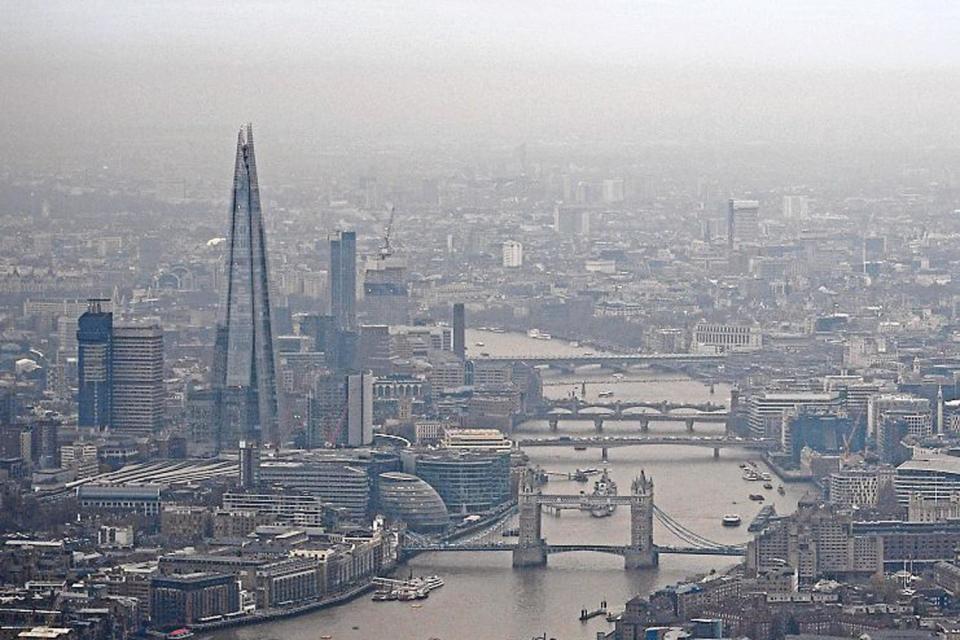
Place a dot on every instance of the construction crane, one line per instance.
(386, 250)
(848, 440)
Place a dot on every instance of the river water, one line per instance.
(486, 599)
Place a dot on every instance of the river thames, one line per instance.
(486, 599)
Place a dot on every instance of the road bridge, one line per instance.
(606, 442)
(642, 413)
(615, 360)
(531, 549)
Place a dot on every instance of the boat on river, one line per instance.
(604, 487)
(731, 520)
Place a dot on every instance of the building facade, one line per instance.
(94, 362)
(244, 373)
(137, 403)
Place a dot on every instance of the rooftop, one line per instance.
(932, 464)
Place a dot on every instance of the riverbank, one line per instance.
(341, 597)
(787, 475)
(269, 615)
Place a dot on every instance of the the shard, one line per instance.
(244, 377)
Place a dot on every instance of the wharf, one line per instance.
(762, 519)
(267, 615)
(786, 475)
(588, 615)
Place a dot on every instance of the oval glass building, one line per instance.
(410, 499)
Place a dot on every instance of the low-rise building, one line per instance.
(183, 599)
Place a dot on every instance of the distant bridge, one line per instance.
(617, 360)
(642, 413)
(606, 442)
(630, 407)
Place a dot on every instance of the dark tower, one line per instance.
(459, 330)
(244, 375)
(95, 365)
(343, 280)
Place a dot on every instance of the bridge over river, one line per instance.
(531, 549)
(615, 360)
(606, 442)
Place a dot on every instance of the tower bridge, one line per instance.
(531, 549)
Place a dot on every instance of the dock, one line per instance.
(590, 614)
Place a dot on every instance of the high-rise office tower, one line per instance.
(797, 207)
(244, 374)
(343, 280)
(137, 403)
(94, 363)
(360, 409)
(386, 297)
(249, 465)
(743, 221)
(512, 254)
(459, 330)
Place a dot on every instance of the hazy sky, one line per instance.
(738, 32)
(523, 68)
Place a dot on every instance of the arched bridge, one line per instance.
(633, 412)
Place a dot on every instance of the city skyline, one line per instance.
(634, 320)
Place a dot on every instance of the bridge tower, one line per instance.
(531, 550)
(641, 553)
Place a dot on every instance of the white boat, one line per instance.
(731, 520)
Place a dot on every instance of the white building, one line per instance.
(512, 254)
(743, 221)
(796, 207)
(720, 338)
(893, 402)
(476, 439)
(600, 266)
(359, 409)
(767, 410)
(859, 487)
(934, 477)
(613, 190)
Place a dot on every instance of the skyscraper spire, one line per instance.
(244, 369)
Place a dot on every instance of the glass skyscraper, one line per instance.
(343, 280)
(95, 366)
(244, 376)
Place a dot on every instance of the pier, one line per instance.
(590, 614)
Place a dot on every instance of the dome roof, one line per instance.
(410, 499)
